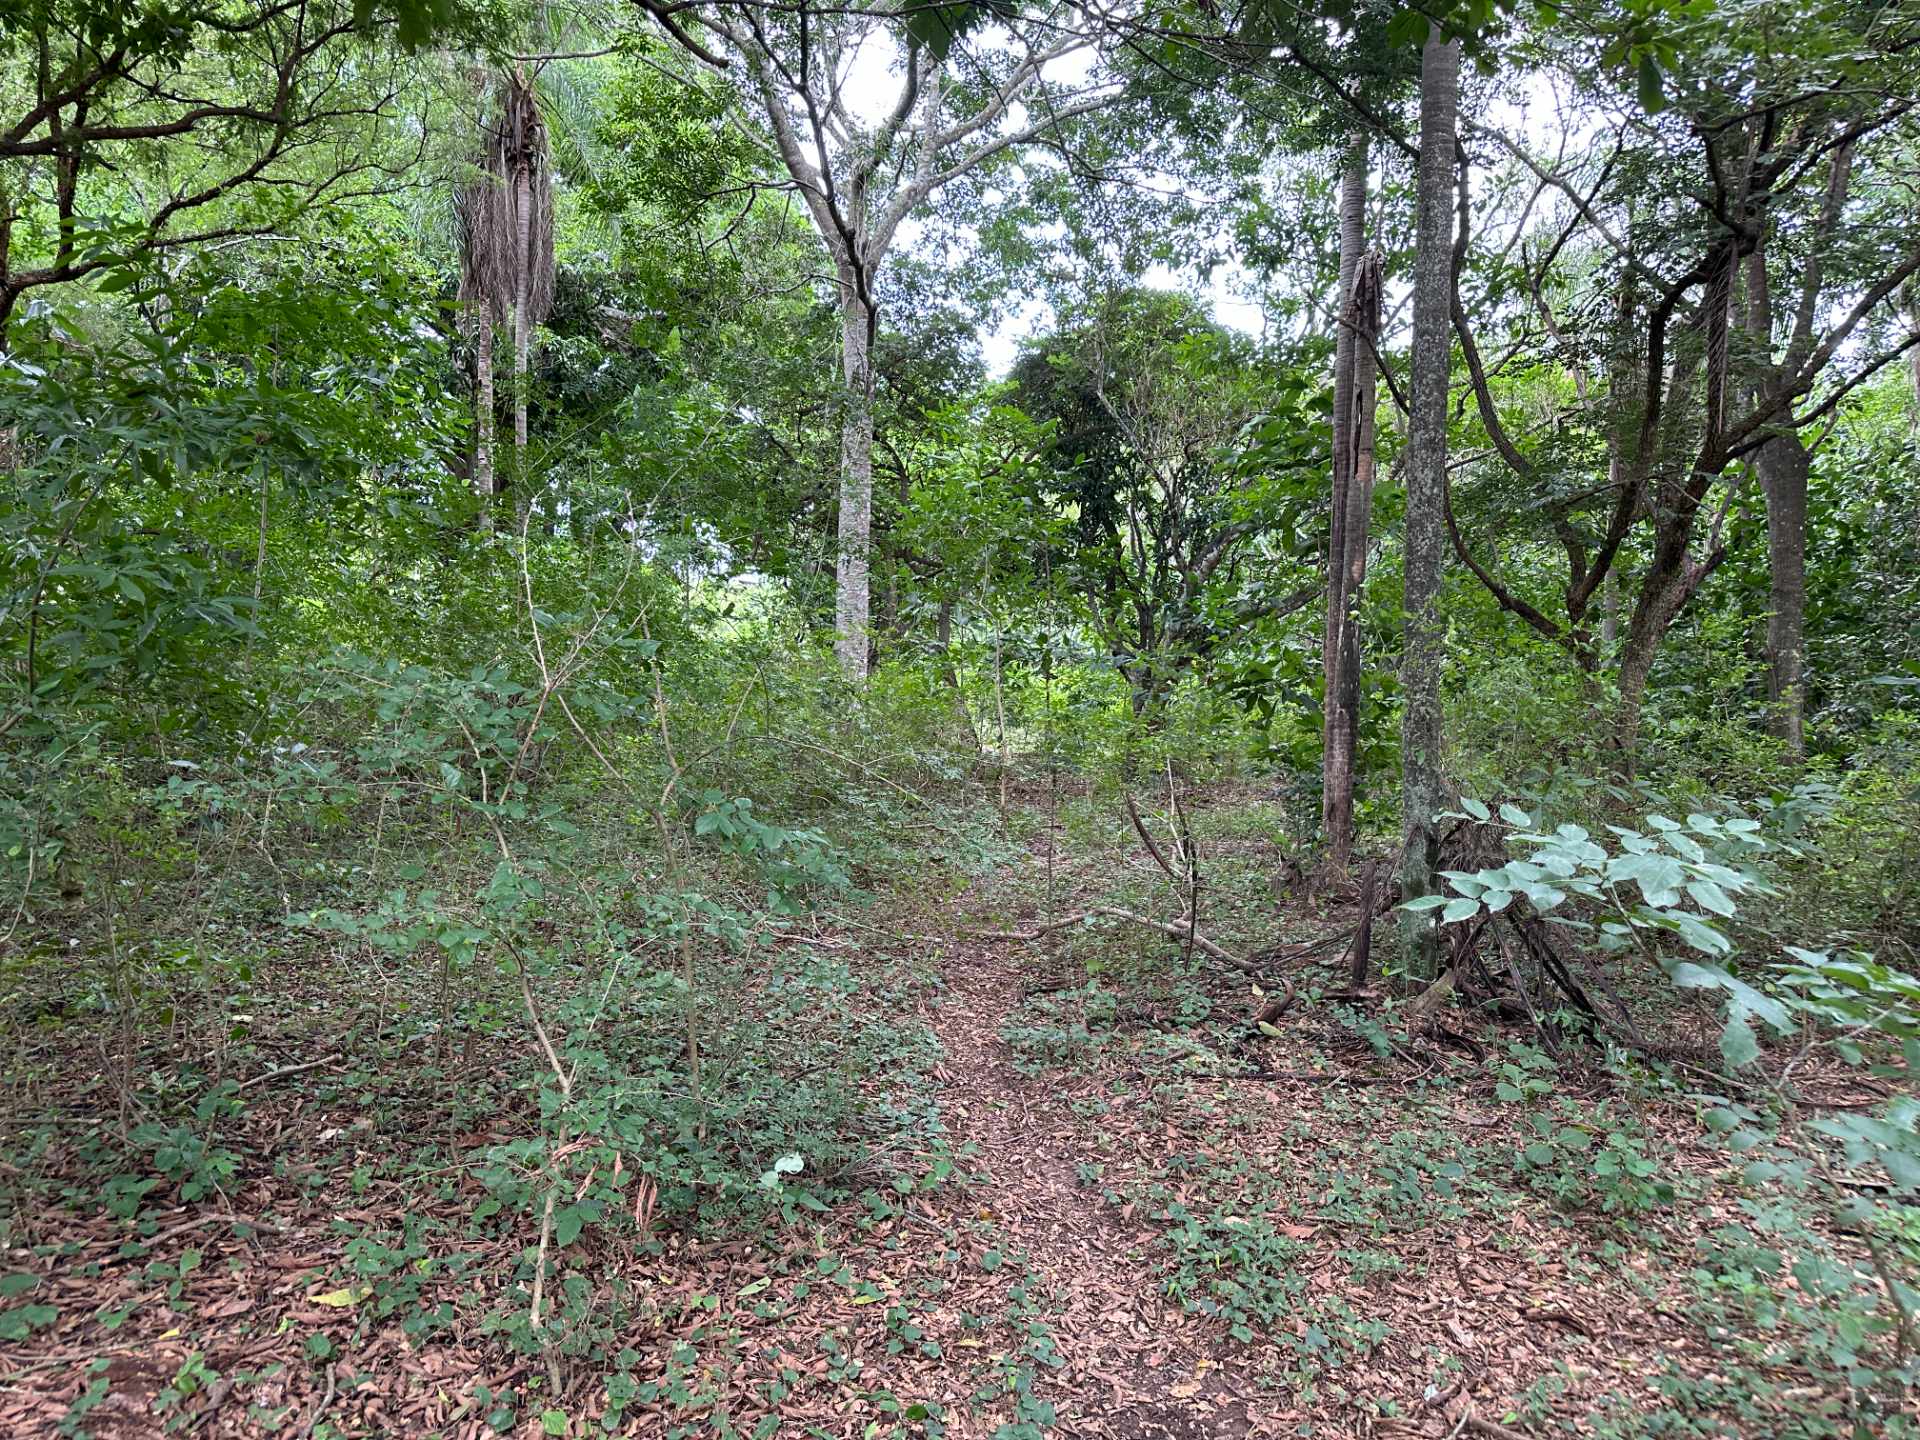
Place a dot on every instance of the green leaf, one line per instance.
(1738, 1047)
(567, 1225)
(1425, 902)
(1513, 815)
(22, 1321)
(1653, 95)
(937, 27)
(1709, 896)
(1691, 976)
(1474, 808)
(553, 1422)
(1460, 909)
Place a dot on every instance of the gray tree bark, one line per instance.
(1341, 688)
(1783, 464)
(851, 570)
(1422, 779)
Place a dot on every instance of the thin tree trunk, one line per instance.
(1913, 316)
(483, 408)
(943, 639)
(1337, 728)
(1783, 464)
(856, 490)
(1422, 783)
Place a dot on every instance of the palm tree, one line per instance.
(505, 217)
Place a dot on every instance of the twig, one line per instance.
(540, 1263)
(288, 1070)
(326, 1401)
(235, 1220)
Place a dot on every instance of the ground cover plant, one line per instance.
(889, 721)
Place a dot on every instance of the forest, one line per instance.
(1134, 719)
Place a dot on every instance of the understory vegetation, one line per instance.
(738, 720)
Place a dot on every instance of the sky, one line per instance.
(1531, 111)
(871, 89)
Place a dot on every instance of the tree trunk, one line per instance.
(1343, 699)
(523, 277)
(1913, 311)
(1340, 688)
(943, 639)
(1422, 784)
(483, 407)
(1783, 464)
(856, 488)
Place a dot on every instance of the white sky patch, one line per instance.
(872, 87)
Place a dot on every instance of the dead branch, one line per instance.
(1182, 930)
(1146, 838)
(262, 1079)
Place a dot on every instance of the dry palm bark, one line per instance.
(505, 218)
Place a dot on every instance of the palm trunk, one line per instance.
(523, 239)
(1422, 782)
(856, 489)
(1337, 728)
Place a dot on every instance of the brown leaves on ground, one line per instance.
(1039, 1286)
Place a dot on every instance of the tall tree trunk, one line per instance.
(1337, 727)
(856, 486)
(483, 480)
(1913, 318)
(1783, 464)
(1422, 782)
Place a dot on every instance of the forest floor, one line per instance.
(1139, 1216)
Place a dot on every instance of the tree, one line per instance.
(265, 110)
(1175, 448)
(954, 112)
(506, 254)
(1358, 308)
(1422, 781)
(1755, 129)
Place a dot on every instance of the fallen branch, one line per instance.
(1496, 1431)
(288, 1070)
(1182, 930)
(268, 1226)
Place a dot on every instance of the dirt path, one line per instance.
(1135, 1366)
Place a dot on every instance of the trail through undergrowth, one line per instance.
(1087, 1198)
(1133, 1364)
